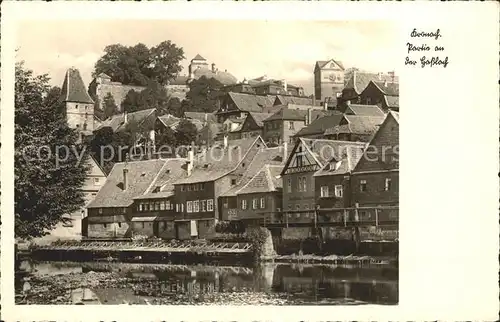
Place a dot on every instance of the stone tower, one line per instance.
(328, 79)
(79, 104)
(197, 62)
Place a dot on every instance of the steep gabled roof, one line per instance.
(322, 63)
(348, 162)
(289, 115)
(173, 170)
(392, 101)
(73, 88)
(259, 118)
(388, 87)
(359, 80)
(198, 57)
(218, 161)
(358, 109)
(324, 150)
(268, 156)
(141, 174)
(285, 100)
(320, 125)
(357, 124)
(268, 179)
(251, 102)
(117, 122)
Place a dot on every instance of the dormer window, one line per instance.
(334, 165)
(156, 189)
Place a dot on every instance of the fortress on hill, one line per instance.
(102, 84)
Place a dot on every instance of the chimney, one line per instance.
(285, 151)
(225, 141)
(125, 117)
(152, 137)
(309, 116)
(213, 68)
(125, 178)
(190, 163)
(385, 83)
(393, 75)
(314, 100)
(326, 104)
(206, 118)
(379, 76)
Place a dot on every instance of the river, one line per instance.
(268, 283)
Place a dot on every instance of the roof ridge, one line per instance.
(155, 178)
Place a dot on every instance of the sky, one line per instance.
(247, 49)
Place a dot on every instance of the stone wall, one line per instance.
(108, 230)
(296, 233)
(143, 228)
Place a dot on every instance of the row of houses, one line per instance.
(245, 180)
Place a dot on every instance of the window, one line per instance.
(338, 191)
(195, 188)
(168, 205)
(76, 106)
(368, 100)
(210, 205)
(291, 126)
(298, 208)
(304, 183)
(300, 184)
(202, 186)
(84, 126)
(124, 210)
(196, 205)
(189, 188)
(362, 185)
(289, 185)
(120, 225)
(182, 188)
(226, 205)
(177, 207)
(233, 182)
(324, 191)
(189, 206)
(162, 205)
(105, 225)
(143, 224)
(262, 203)
(203, 205)
(100, 210)
(157, 205)
(96, 181)
(255, 203)
(243, 204)
(182, 207)
(387, 184)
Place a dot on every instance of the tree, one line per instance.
(131, 102)
(110, 107)
(174, 107)
(349, 72)
(48, 178)
(203, 95)
(53, 96)
(185, 132)
(139, 65)
(165, 137)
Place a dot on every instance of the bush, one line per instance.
(257, 236)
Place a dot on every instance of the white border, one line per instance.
(449, 199)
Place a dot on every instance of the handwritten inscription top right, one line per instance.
(416, 49)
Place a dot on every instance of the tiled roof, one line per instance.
(201, 116)
(141, 174)
(392, 101)
(268, 179)
(251, 102)
(288, 114)
(73, 88)
(359, 80)
(357, 124)
(173, 170)
(388, 88)
(395, 115)
(320, 125)
(272, 156)
(169, 120)
(324, 150)
(259, 118)
(347, 162)
(198, 57)
(116, 122)
(218, 161)
(358, 109)
(282, 99)
(322, 63)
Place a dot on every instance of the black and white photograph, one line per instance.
(241, 160)
(182, 167)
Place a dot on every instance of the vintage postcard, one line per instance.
(248, 159)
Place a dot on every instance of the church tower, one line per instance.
(328, 79)
(79, 105)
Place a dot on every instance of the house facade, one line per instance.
(307, 157)
(375, 179)
(237, 105)
(213, 172)
(381, 93)
(358, 81)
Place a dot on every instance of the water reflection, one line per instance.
(308, 284)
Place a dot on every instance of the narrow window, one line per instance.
(189, 206)
(324, 191)
(387, 184)
(243, 204)
(338, 191)
(210, 205)
(262, 203)
(203, 205)
(362, 185)
(255, 203)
